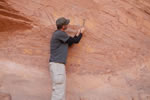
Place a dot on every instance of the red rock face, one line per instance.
(112, 61)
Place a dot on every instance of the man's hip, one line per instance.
(58, 71)
(58, 68)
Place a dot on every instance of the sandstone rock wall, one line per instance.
(112, 61)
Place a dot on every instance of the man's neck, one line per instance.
(62, 30)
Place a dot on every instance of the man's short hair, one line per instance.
(59, 26)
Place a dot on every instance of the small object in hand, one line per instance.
(83, 23)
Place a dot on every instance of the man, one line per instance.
(60, 42)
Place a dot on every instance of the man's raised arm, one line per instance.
(76, 38)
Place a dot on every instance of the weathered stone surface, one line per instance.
(5, 96)
(112, 61)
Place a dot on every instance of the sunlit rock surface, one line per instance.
(112, 61)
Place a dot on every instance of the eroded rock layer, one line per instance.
(112, 61)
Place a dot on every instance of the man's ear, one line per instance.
(63, 27)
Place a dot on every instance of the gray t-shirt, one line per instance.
(58, 47)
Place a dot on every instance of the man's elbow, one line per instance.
(77, 42)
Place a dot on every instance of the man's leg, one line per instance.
(58, 75)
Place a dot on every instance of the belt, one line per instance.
(57, 62)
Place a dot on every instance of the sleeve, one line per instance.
(75, 39)
(63, 36)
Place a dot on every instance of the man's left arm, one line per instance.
(75, 39)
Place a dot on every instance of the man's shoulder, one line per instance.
(59, 32)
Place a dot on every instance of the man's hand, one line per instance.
(81, 30)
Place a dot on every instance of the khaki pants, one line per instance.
(58, 76)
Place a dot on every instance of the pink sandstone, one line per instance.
(112, 61)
